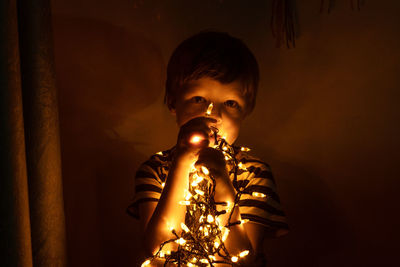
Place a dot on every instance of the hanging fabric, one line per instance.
(284, 24)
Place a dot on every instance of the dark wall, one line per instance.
(326, 120)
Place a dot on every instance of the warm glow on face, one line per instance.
(228, 105)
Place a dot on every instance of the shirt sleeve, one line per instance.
(260, 202)
(148, 185)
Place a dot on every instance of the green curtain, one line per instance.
(32, 224)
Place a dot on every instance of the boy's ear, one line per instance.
(171, 106)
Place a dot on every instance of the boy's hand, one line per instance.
(195, 135)
(214, 161)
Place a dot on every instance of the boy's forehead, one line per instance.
(209, 85)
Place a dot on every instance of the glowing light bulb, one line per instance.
(244, 253)
(196, 179)
(210, 218)
(195, 139)
(188, 195)
(199, 192)
(180, 241)
(234, 259)
(225, 233)
(184, 227)
(246, 149)
(258, 194)
(194, 259)
(147, 262)
(159, 153)
(209, 109)
(229, 206)
(205, 232)
(193, 168)
(224, 148)
(170, 227)
(216, 244)
(203, 260)
(162, 185)
(205, 170)
(162, 254)
(240, 165)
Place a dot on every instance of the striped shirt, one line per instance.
(259, 202)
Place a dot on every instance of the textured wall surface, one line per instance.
(326, 120)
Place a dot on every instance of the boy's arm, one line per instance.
(248, 236)
(157, 219)
(256, 234)
(238, 239)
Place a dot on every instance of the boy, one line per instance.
(209, 68)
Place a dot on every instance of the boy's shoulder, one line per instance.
(159, 161)
(245, 157)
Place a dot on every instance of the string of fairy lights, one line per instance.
(201, 239)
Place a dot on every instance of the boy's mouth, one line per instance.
(214, 129)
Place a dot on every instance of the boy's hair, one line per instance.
(216, 55)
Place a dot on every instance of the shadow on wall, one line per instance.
(104, 74)
(319, 233)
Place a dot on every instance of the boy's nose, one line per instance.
(216, 113)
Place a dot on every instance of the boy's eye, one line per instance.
(232, 104)
(198, 99)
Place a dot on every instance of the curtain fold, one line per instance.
(32, 231)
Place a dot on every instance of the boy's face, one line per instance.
(229, 105)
